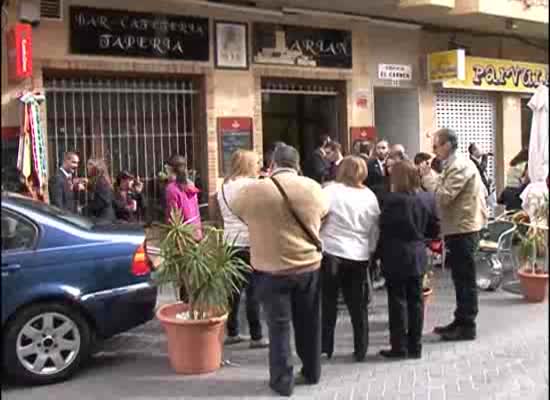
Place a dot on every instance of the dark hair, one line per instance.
(69, 154)
(323, 140)
(286, 156)
(436, 165)
(445, 135)
(421, 157)
(123, 175)
(13, 180)
(522, 156)
(277, 144)
(179, 165)
(365, 148)
(471, 148)
(334, 146)
(405, 178)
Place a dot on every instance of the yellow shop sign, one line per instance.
(446, 65)
(500, 75)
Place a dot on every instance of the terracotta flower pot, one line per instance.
(194, 347)
(533, 286)
(426, 295)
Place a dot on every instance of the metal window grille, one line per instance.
(133, 124)
(472, 115)
(285, 86)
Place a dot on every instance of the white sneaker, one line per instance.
(229, 340)
(259, 344)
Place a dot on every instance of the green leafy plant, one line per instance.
(427, 279)
(533, 233)
(207, 270)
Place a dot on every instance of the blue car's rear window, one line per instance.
(52, 211)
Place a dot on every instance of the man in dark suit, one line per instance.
(63, 184)
(481, 160)
(317, 166)
(377, 174)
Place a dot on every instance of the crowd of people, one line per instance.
(108, 201)
(311, 236)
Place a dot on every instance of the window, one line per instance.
(17, 233)
(56, 213)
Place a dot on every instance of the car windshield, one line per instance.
(67, 216)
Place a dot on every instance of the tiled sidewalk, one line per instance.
(508, 361)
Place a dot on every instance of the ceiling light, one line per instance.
(511, 25)
(232, 7)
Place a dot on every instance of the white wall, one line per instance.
(396, 117)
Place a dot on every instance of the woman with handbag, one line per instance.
(182, 194)
(245, 168)
(349, 236)
(408, 218)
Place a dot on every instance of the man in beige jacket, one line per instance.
(463, 210)
(286, 260)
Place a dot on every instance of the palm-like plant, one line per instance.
(208, 270)
(533, 232)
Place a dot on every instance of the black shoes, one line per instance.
(392, 354)
(455, 331)
(446, 328)
(459, 333)
(400, 355)
(282, 390)
(286, 388)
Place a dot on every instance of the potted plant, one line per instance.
(435, 247)
(427, 290)
(209, 273)
(533, 248)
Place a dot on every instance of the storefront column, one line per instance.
(509, 141)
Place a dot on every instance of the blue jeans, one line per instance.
(252, 304)
(296, 299)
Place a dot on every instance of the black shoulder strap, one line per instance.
(310, 234)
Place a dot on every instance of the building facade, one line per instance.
(137, 82)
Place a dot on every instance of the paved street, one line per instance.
(508, 361)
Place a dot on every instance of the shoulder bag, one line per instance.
(310, 234)
(229, 208)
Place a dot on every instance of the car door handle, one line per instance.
(10, 267)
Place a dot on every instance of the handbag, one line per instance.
(312, 237)
(229, 208)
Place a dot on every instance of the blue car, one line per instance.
(66, 283)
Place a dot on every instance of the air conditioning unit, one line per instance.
(51, 10)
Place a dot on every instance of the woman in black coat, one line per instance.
(408, 218)
(100, 207)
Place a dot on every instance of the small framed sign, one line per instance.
(231, 46)
(233, 133)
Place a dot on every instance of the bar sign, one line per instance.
(20, 52)
(395, 72)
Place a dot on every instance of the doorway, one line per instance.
(298, 112)
(396, 117)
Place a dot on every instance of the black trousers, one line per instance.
(351, 277)
(461, 259)
(252, 304)
(296, 299)
(406, 312)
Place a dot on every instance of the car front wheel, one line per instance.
(45, 343)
